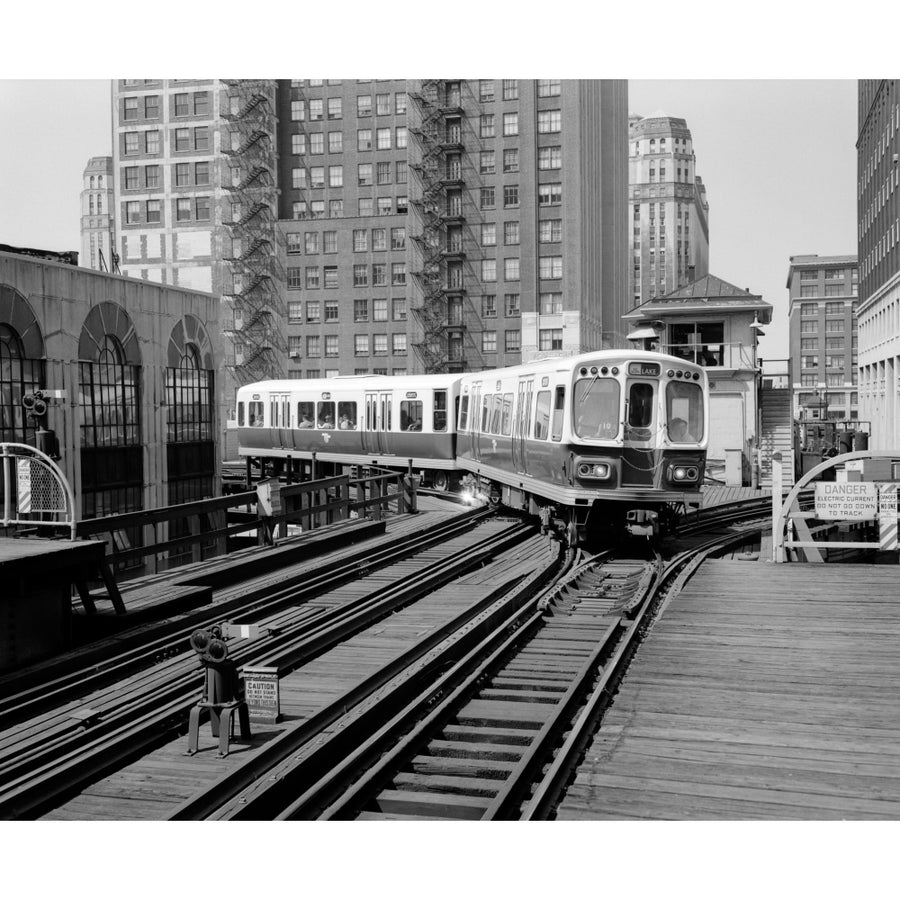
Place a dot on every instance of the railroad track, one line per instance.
(55, 753)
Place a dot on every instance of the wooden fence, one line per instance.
(189, 532)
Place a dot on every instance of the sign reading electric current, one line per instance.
(851, 501)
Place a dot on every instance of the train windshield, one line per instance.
(684, 412)
(596, 410)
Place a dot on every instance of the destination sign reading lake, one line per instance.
(854, 501)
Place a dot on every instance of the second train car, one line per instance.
(592, 443)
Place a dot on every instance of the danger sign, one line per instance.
(852, 501)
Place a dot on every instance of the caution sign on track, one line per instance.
(887, 516)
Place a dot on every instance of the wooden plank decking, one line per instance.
(763, 692)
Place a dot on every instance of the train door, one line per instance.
(377, 423)
(641, 425)
(475, 421)
(280, 419)
(521, 424)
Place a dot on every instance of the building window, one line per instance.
(183, 210)
(295, 307)
(334, 108)
(510, 233)
(510, 196)
(487, 198)
(335, 176)
(294, 279)
(332, 345)
(489, 306)
(550, 231)
(550, 339)
(489, 342)
(316, 110)
(361, 345)
(551, 303)
(201, 138)
(331, 277)
(510, 89)
(511, 303)
(360, 240)
(486, 126)
(131, 182)
(380, 310)
(360, 310)
(313, 310)
(548, 87)
(379, 239)
(380, 344)
(383, 173)
(366, 206)
(400, 103)
(364, 139)
(550, 157)
(312, 346)
(298, 144)
(400, 137)
(201, 209)
(154, 212)
(201, 173)
(485, 91)
(488, 234)
(487, 162)
(398, 274)
(549, 121)
(510, 124)
(379, 275)
(513, 341)
(398, 309)
(385, 206)
(312, 278)
(398, 238)
(549, 194)
(809, 290)
(131, 143)
(511, 160)
(489, 270)
(360, 275)
(364, 105)
(130, 108)
(511, 269)
(382, 138)
(398, 344)
(551, 267)
(132, 212)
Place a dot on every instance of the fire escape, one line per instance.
(248, 142)
(438, 230)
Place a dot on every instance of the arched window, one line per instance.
(109, 375)
(99, 181)
(92, 182)
(90, 204)
(21, 368)
(99, 203)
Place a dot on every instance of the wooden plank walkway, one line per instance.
(766, 693)
(717, 495)
(151, 787)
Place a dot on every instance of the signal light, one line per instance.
(35, 404)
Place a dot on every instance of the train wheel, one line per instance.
(440, 481)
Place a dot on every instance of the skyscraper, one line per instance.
(97, 208)
(668, 206)
(878, 214)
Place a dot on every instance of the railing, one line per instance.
(728, 356)
(34, 491)
(263, 514)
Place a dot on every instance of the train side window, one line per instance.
(240, 413)
(506, 423)
(486, 402)
(559, 407)
(640, 405)
(495, 413)
(684, 401)
(346, 415)
(410, 415)
(255, 413)
(306, 414)
(325, 417)
(464, 413)
(542, 416)
(440, 411)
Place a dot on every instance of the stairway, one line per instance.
(776, 435)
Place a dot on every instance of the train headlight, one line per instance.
(685, 473)
(594, 470)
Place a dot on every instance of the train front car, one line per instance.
(599, 443)
(639, 432)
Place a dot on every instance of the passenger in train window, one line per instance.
(305, 421)
(678, 431)
(415, 426)
(327, 422)
(345, 424)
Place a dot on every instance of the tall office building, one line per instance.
(822, 315)
(97, 219)
(669, 213)
(456, 225)
(381, 226)
(878, 215)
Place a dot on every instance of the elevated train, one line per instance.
(596, 442)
